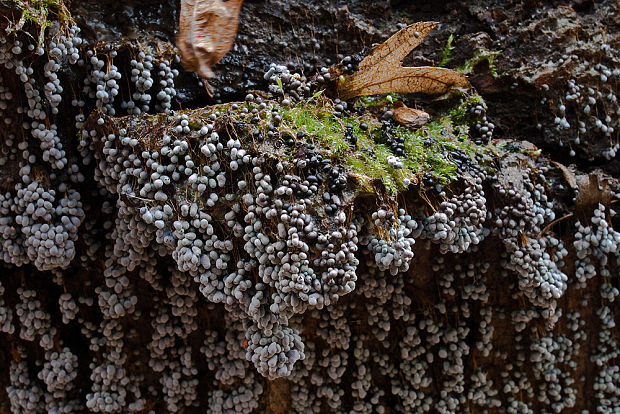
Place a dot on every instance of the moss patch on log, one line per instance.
(41, 13)
(430, 151)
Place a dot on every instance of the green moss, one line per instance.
(479, 57)
(428, 150)
(41, 13)
(459, 112)
(446, 53)
(377, 100)
(316, 119)
(195, 126)
(516, 147)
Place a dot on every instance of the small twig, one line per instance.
(139, 198)
(548, 226)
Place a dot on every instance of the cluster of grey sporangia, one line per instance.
(391, 239)
(536, 260)
(39, 220)
(586, 110)
(274, 230)
(240, 266)
(484, 127)
(293, 86)
(458, 222)
(42, 209)
(6, 314)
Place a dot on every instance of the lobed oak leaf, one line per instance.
(382, 71)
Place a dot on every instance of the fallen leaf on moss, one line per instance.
(207, 30)
(410, 117)
(382, 70)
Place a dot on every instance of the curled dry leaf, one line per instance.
(382, 70)
(569, 176)
(594, 189)
(207, 30)
(410, 117)
(591, 189)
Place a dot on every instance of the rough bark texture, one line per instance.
(469, 264)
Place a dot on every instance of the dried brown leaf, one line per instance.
(382, 70)
(593, 190)
(398, 46)
(410, 117)
(423, 79)
(569, 176)
(207, 30)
